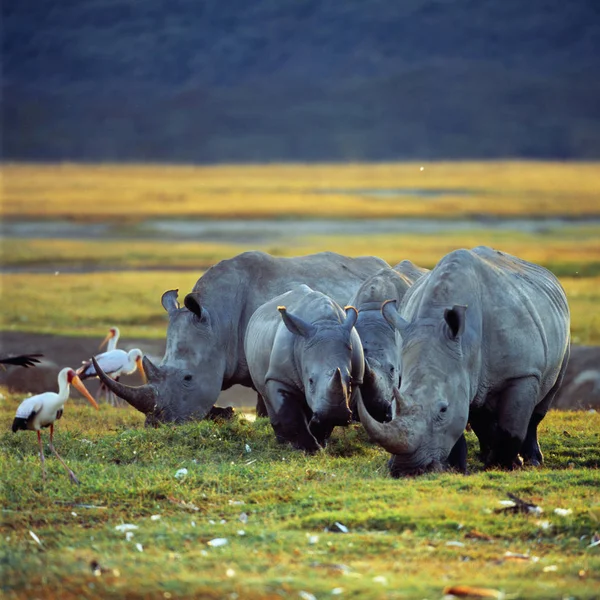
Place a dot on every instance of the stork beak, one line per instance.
(109, 336)
(79, 385)
(140, 366)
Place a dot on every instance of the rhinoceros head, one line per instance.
(188, 381)
(431, 408)
(382, 368)
(330, 356)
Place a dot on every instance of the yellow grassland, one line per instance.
(138, 191)
(85, 304)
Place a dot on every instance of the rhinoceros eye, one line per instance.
(187, 378)
(443, 407)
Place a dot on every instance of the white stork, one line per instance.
(37, 412)
(115, 363)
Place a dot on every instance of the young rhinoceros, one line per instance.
(305, 359)
(380, 345)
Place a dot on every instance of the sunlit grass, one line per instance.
(407, 538)
(86, 304)
(566, 251)
(135, 192)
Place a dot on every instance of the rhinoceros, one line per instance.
(305, 359)
(485, 339)
(378, 338)
(205, 339)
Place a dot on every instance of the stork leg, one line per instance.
(63, 463)
(42, 457)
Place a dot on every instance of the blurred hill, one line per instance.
(301, 80)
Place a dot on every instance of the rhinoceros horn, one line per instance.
(143, 398)
(337, 386)
(393, 435)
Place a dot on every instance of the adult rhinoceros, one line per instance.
(485, 338)
(377, 337)
(205, 340)
(305, 361)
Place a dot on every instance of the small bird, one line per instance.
(41, 411)
(24, 360)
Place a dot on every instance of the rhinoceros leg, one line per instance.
(530, 450)
(261, 409)
(484, 424)
(288, 418)
(515, 407)
(457, 459)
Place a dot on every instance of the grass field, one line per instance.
(407, 538)
(135, 192)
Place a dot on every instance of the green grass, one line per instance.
(402, 533)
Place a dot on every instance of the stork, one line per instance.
(37, 412)
(114, 363)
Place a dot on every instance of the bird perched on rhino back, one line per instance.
(42, 410)
(484, 338)
(205, 338)
(305, 359)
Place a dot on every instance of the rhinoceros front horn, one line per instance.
(143, 398)
(388, 435)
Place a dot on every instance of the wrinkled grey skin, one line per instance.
(485, 338)
(382, 357)
(205, 339)
(305, 359)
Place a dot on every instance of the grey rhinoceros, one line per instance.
(378, 338)
(485, 339)
(305, 359)
(205, 339)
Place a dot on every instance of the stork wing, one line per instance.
(30, 406)
(111, 362)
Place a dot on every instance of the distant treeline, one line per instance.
(300, 80)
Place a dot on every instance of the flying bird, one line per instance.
(37, 412)
(24, 360)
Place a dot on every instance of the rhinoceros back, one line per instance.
(517, 312)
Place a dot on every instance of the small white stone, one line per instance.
(139, 547)
(126, 527)
(218, 542)
(180, 473)
(155, 517)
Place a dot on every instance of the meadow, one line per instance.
(277, 508)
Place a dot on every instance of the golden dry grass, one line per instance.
(138, 191)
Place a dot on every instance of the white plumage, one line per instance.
(42, 410)
(114, 363)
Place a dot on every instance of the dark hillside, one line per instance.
(300, 79)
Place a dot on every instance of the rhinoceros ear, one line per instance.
(192, 304)
(169, 300)
(296, 325)
(351, 317)
(455, 319)
(391, 315)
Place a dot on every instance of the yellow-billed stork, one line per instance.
(114, 363)
(37, 412)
